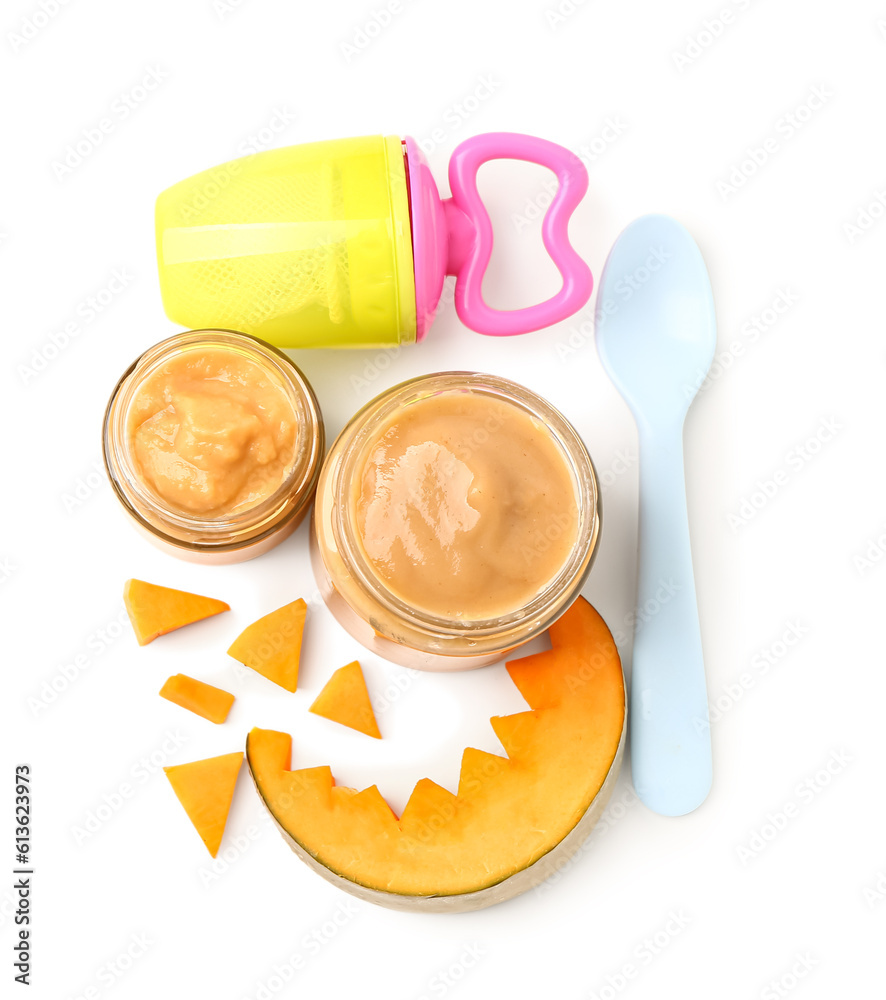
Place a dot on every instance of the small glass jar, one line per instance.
(364, 603)
(220, 538)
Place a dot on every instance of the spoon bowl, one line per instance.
(655, 323)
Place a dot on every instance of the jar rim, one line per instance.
(246, 527)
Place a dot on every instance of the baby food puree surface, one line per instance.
(465, 506)
(212, 433)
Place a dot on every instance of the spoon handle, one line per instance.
(670, 730)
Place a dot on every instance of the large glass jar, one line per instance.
(389, 487)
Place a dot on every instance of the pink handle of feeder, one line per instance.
(470, 233)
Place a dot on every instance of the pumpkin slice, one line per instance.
(345, 699)
(514, 820)
(155, 610)
(203, 699)
(272, 645)
(205, 788)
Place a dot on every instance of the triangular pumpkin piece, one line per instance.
(538, 678)
(345, 699)
(477, 768)
(308, 784)
(272, 645)
(205, 788)
(155, 610)
(518, 734)
(430, 808)
(370, 807)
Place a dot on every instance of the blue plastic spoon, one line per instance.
(656, 333)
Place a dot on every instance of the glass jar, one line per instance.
(220, 537)
(389, 623)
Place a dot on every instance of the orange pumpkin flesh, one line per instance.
(498, 835)
(205, 788)
(344, 699)
(203, 699)
(272, 645)
(155, 610)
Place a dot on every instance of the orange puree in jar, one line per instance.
(212, 433)
(465, 506)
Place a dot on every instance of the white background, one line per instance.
(679, 127)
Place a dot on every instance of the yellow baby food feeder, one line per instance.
(346, 243)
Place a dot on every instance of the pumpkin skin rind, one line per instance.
(577, 717)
